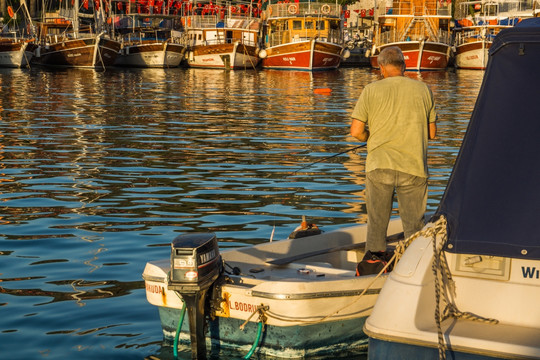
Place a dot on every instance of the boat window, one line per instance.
(309, 25)
(320, 25)
(297, 25)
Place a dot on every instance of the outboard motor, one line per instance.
(195, 265)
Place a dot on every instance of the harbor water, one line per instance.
(100, 171)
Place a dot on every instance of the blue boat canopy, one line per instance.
(492, 201)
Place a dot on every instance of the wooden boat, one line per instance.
(17, 44)
(63, 43)
(16, 52)
(303, 290)
(420, 28)
(152, 45)
(223, 37)
(472, 293)
(474, 34)
(303, 36)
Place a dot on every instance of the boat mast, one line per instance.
(75, 20)
(32, 30)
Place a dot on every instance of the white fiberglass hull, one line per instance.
(507, 290)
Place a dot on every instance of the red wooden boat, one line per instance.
(421, 28)
(303, 36)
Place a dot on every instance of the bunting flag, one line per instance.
(363, 13)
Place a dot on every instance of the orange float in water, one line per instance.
(323, 91)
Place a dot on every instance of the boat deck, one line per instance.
(305, 271)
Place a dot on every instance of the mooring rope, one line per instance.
(444, 285)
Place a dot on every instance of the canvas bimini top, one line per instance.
(492, 201)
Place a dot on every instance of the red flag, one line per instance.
(85, 4)
(363, 13)
(347, 14)
(371, 12)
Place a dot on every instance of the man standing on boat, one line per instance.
(396, 116)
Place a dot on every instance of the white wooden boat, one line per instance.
(225, 37)
(157, 44)
(484, 304)
(304, 291)
(16, 41)
(303, 36)
(16, 52)
(474, 34)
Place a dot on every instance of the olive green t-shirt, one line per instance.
(397, 111)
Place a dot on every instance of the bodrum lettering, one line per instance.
(242, 306)
(530, 272)
(156, 289)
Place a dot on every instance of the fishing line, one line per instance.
(311, 164)
(329, 157)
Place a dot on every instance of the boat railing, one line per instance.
(429, 8)
(302, 9)
(279, 37)
(213, 21)
(391, 36)
(477, 34)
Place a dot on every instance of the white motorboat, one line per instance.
(289, 299)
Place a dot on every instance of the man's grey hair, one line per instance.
(391, 56)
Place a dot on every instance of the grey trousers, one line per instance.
(411, 193)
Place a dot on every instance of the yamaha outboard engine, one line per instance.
(195, 265)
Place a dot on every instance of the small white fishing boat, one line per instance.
(471, 290)
(288, 299)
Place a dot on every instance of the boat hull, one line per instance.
(230, 56)
(303, 55)
(279, 341)
(486, 287)
(91, 52)
(473, 55)
(16, 54)
(380, 349)
(156, 55)
(419, 55)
